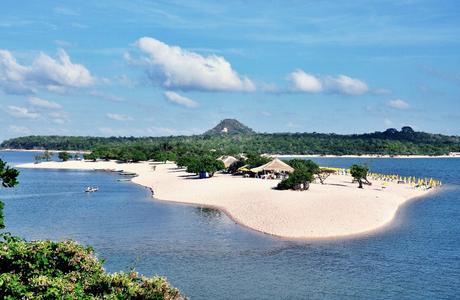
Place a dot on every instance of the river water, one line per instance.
(208, 256)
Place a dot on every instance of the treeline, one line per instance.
(389, 142)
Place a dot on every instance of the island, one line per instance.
(331, 210)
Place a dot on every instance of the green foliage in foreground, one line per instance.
(359, 173)
(8, 179)
(66, 270)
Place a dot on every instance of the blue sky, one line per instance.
(151, 68)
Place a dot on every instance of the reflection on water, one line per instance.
(208, 256)
(209, 214)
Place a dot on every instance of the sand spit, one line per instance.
(336, 209)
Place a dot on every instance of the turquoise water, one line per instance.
(207, 256)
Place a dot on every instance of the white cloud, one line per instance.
(174, 67)
(61, 71)
(341, 84)
(180, 100)
(304, 82)
(42, 103)
(21, 112)
(45, 72)
(398, 104)
(118, 117)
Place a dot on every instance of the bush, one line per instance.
(207, 163)
(64, 156)
(299, 176)
(66, 270)
(306, 165)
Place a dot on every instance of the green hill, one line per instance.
(229, 126)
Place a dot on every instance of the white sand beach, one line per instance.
(335, 209)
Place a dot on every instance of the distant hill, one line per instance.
(229, 126)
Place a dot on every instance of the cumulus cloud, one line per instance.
(341, 84)
(177, 68)
(21, 112)
(42, 103)
(398, 104)
(180, 100)
(304, 82)
(118, 117)
(53, 74)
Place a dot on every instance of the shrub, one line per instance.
(66, 270)
(207, 163)
(64, 156)
(299, 176)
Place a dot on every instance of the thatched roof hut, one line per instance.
(228, 160)
(275, 165)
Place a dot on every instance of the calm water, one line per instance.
(207, 256)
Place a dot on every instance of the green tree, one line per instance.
(64, 156)
(207, 163)
(8, 179)
(47, 155)
(90, 156)
(295, 179)
(302, 164)
(255, 160)
(359, 173)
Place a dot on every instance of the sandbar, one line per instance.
(336, 209)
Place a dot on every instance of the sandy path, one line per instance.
(336, 209)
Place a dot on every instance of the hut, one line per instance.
(274, 166)
(228, 160)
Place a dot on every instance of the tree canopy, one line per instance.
(359, 173)
(64, 156)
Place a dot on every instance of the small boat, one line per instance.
(91, 189)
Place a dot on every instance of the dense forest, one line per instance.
(389, 142)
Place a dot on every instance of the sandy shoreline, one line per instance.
(336, 209)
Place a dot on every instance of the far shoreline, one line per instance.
(281, 156)
(43, 150)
